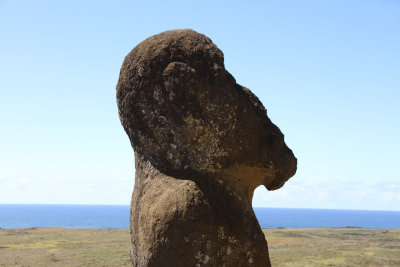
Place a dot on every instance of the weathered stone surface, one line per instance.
(202, 145)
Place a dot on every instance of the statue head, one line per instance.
(183, 112)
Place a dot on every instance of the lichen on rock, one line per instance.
(202, 144)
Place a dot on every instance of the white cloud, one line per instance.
(340, 195)
(25, 180)
(77, 190)
(389, 196)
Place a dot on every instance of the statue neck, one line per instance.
(233, 185)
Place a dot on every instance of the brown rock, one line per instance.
(202, 145)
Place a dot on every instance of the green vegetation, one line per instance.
(333, 247)
(288, 247)
(64, 247)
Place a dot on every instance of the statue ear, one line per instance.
(178, 80)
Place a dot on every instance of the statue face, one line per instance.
(262, 153)
(184, 112)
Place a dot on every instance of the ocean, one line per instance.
(114, 216)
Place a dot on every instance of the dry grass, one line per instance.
(64, 247)
(334, 247)
(288, 247)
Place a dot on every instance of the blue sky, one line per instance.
(328, 73)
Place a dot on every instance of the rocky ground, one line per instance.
(288, 247)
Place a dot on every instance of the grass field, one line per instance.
(288, 247)
(334, 247)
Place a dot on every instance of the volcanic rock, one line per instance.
(202, 144)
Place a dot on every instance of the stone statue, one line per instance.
(202, 144)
